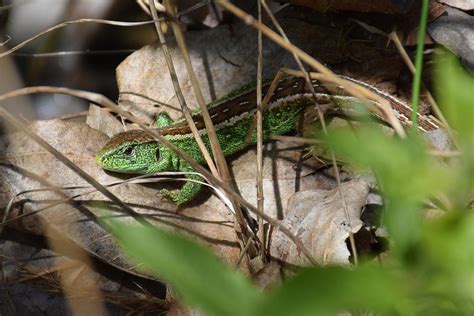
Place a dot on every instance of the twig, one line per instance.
(57, 26)
(259, 117)
(179, 94)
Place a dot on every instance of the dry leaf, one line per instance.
(102, 120)
(460, 4)
(319, 220)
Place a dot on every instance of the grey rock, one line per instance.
(460, 4)
(439, 139)
(455, 30)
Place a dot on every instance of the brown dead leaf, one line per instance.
(317, 217)
(102, 120)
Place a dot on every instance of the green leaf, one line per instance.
(407, 175)
(455, 88)
(197, 275)
(395, 161)
(326, 291)
(449, 255)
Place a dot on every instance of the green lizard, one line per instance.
(137, 152)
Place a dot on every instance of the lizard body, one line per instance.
(137, 152)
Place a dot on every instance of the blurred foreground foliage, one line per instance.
(430, 270)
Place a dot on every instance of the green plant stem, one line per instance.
(415, 98)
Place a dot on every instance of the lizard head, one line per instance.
(130, 152)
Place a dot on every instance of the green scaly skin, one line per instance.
(147, 157)
(136, 152)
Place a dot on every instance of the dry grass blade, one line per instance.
(444, 154)
(8, 38)
(259, 119)
(215, 146)
(72, 116)
(294, 139)
(194, 7)
(13, 5)
(162, 104)
(264, 102)
(145, 5)
(79, 21)
(83, 297)
(374, 107)
(13, 198)
(145, 178)
(179, 94)
(394, 37)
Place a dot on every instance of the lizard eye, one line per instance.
(157, 155)
(128, 151)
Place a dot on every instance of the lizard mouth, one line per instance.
(102, 163)
(98, 159)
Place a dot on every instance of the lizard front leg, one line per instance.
(188, 191)
(163, 119)
(191, 188)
